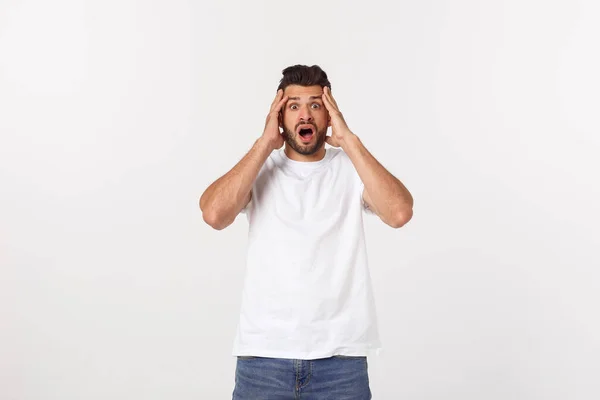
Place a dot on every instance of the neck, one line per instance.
(294, 155)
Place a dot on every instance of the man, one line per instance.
(308, 319)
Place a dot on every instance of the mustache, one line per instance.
(305, 123)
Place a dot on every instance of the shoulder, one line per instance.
(341, 159)
(273, 161)
(346, 164)
(337, 155)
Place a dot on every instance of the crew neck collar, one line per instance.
(308, 164)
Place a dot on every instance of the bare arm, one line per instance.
(383, 192)
(223, 200)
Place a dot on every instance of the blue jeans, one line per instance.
(333, 378)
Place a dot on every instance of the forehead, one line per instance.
(303, 91)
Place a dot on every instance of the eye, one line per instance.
(316, 105)
(293, 107)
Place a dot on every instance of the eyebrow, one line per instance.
(310, 98)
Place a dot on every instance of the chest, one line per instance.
(313, 197)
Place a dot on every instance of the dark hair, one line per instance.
(303, 75)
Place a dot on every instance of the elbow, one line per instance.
(401, 218)
(214, 216)
(209, 215)
(214, 221)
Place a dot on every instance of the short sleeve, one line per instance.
(357, 183)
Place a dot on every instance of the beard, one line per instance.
(307, 149)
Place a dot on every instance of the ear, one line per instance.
(328, 121)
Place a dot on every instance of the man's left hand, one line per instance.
(339, 129)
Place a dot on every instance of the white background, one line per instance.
(116, 115)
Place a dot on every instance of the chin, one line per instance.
(303, 149)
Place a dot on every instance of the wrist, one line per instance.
(264, 144)
(348, 140)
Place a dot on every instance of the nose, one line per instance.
(305, 114)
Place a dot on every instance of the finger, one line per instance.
(277, 98)
(331, 99)
(328, 104)
(326, 101)
(280, 104)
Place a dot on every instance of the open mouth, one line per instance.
(306, 133)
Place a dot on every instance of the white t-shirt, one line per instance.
(307, 290)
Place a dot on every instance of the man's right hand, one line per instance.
(271, 135)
